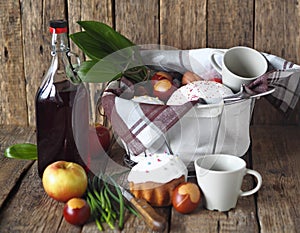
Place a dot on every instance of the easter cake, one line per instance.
(155, 177)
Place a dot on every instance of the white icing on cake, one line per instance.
(147, 100)
(158, 168)
(208, 90)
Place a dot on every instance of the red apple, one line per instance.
(163, 89)
(98, 143)
(77, 211)
(64, 180)
(103, 136)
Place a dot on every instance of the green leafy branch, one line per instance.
(111, 54)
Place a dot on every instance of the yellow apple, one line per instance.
(64, 180)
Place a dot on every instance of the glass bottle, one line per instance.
(55, 100)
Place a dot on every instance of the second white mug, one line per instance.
(220, 178)
(240, 65)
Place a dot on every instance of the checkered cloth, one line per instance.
(139, 125)
(287, 86)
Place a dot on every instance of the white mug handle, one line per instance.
(214, 62)
(259, 182)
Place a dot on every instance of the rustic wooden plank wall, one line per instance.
(267, 25)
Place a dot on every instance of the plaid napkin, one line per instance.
(287, 88)
(139, 125)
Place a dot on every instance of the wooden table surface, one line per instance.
(275, 153)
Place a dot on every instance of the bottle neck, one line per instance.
(59, 43)
(61, 58)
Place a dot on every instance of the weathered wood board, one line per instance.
(268, 26)
(25, 207)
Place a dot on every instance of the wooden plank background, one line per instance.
(267, 25)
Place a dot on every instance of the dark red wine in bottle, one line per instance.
(55, 101)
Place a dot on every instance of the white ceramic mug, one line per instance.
(220, 178)
(240, 65)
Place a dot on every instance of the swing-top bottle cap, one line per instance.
(58, 26)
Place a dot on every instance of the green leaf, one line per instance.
(111, 53)
(21, 151)
(102, 71)
(85, 67)
(106, 35)
(89, 46)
